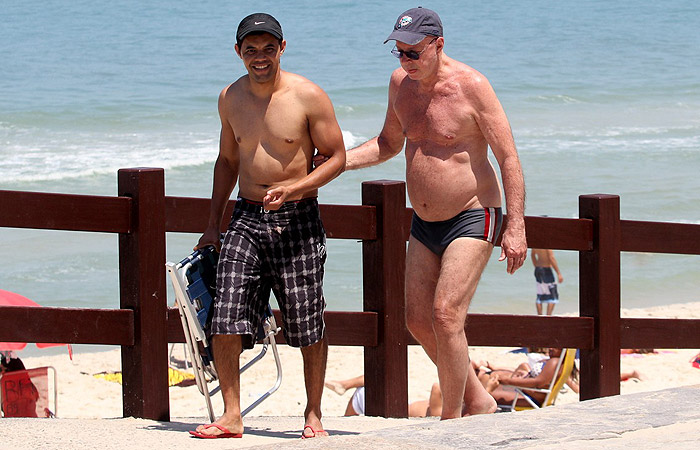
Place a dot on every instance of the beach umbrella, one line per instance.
(8, 298)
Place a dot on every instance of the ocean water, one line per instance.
(602, 98)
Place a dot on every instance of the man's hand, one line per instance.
(275, 198)
(210, 237)
(319, 159)
(514, 247)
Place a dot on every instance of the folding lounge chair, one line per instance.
(194, 283)
(566, 364)
(28, 393)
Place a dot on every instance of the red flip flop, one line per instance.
(224, 433)
(303, 436)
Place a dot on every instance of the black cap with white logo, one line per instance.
(414, 25)
(258, 23)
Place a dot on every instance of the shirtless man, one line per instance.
(272, 123)
(544, 261)
(447, 115)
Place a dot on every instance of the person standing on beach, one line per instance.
(272, 122)
(544, 261)
(447, 115)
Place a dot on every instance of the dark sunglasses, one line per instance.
(410, 54)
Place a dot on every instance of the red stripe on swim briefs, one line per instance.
(487, 223)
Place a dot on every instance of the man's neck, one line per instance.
(266, 89)
(428, 83)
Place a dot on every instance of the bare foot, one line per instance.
(233, 425)
(311, 432)
(492, 384)
(335, 387)
(480, 403)
(312, 425)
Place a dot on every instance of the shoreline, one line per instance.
(82, 395)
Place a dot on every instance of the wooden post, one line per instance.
(383, 270)
(599, 296)
(142, 289)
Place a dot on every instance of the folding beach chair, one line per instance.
(28, 393)
(562, 373)
(194, 283)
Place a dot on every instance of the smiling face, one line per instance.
(426, 64)
(261, 55)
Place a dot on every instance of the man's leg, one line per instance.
(550, 308)
(435, 401)
(422, 271)
(423, 268)
(341, 386)
(462, 264)
(539, 308)
(227, 350)
(315, 358)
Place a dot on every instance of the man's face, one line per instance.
(261, 55)
(426, 50)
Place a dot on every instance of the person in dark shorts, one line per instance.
(283, 251)
(272, 124)
(447, 120)
(545, 265)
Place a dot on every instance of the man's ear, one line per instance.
(283, 46)
(440, 43)
(238, 50)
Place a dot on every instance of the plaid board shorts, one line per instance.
(282, 251)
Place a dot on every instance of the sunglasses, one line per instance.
(410, 54)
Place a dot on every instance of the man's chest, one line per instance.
(280, 122)
(444, 115)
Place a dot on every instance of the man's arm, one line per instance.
(381, 148)
(494, 125)
(542, 380)
(225, 177)
(327, 138)
(390, 141)
(555, 266)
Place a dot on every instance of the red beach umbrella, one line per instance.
(8, 298)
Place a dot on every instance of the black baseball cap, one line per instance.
(258, 23)
(414, 25)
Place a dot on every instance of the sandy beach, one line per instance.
(82, 395)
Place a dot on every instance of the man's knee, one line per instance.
(446, 322)
(419, 325)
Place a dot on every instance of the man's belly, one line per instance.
(439, 190)
(255, 188)
(263, 173)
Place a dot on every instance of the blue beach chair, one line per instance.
(194, 283)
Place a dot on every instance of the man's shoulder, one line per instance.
(468, 77)
(236, 87)
(302, 87)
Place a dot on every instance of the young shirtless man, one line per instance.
(272, 123)
(544, 261)
(447, 115)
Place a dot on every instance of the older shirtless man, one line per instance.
(272, 123)
(448, 115)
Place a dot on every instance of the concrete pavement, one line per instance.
(653, 420)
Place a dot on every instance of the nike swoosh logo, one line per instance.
(258, 23)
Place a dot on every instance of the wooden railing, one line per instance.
(144, 324)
